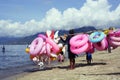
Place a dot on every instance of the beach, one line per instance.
(105, 66)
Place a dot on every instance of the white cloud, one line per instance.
(93, 13)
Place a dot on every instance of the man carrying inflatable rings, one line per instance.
(71, 55)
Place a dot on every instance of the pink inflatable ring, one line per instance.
(36, 46)
(55, 47)
(103, 45)
(79, 43)
(114, 38)
(78, 40)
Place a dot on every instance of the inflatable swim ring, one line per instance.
(79, 49)
(114, 38)
(101, 45)
(90, 47)
(78, 40)
(115, 43)
(42, 36)
(54, 46)
(79, 43)
(48, 49)
(43, 50)
(36, 46)
(96, 37)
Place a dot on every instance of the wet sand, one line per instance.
(105, 66)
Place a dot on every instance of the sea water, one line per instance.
(14, 56)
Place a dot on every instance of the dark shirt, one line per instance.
(70, 54)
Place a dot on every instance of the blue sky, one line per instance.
(15, 15)
(24, 10)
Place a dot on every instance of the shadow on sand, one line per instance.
(37, 69)
(117, 73)
(62, 67)
(81, 65)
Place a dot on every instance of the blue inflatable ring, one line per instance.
(96, 37)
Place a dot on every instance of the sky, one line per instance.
(20, 18)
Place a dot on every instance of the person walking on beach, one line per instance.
(108, 37)
(88, 57)
(71, 55)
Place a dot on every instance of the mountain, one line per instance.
(29, 39)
